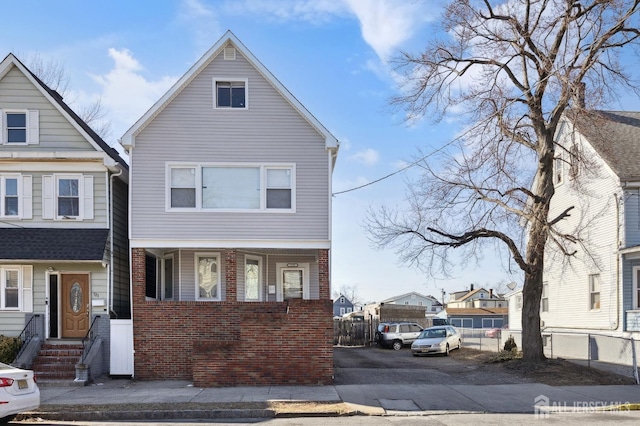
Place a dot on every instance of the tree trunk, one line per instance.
(532, 350)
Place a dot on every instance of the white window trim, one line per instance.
(198, 180)
(544, 296)
(636, 284)
(197, 257)
(32, 124)
(217, 80)
(281, 267)
(50, 197)
(558, 169)
(163, 277)
(25, 288)
(259, 259)
(591, 292)
(24, 196)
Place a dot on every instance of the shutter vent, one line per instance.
(229, 53)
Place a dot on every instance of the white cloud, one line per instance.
(201, 20)
(368, 157)
(386, 24)
(126, 93)
(312, 11)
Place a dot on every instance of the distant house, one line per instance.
(597, 175)
(342, 306)
(430, 303)
(476, 298)
(478, 317)
(231, 229)
(477, 308)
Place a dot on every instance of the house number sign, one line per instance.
(75, 297)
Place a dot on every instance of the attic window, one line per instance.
(229, 53)
(230, 93)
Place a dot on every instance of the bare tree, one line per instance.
(511, 70)
(350, 292)
(53, 74)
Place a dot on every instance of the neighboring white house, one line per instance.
(597, 181)
(431, 304)
(476, 298)
(514, 299)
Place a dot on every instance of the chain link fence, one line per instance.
(609, 353)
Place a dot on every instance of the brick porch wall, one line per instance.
(232, 343)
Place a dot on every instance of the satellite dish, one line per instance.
(512, 285)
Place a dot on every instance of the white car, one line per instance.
(437, 340)
(18, 391)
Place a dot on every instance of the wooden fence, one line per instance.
(349, 332)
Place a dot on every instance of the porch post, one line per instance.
(138, 274)
(323, 274)
(231, 275)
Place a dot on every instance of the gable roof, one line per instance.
(615, 135)
(128, 139)
(402, 296)
(56, 100)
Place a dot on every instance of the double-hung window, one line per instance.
(230, 93)
(231, 187)
(594, 291)
(15, 288)
(544, 302)
(19, 127)
(15, 196)
(67, 197)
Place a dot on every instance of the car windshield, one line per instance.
(429, 334)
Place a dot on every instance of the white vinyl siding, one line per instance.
(270, 132)
(16, 284)
(595, 204)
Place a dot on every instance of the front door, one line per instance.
(75, 305)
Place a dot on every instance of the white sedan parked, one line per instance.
(437, 340)
(18, 391)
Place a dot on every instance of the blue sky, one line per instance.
(333, 55)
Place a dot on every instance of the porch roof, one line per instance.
(52, 244)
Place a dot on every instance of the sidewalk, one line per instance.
(141, 400)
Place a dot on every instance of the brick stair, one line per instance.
(57, 361)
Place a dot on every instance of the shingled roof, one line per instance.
(53, 244)
(615, 135)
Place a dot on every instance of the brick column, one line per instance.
(231, 275)
(323, 272)
(139, 274)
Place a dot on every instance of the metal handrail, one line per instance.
(88, 340)
(28, 332)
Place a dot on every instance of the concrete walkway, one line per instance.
(139, 400)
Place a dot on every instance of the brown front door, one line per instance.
(75, 305)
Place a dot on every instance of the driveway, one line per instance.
(374, 365)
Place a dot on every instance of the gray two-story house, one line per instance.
(230, 210)
(64, 267)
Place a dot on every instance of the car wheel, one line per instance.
(397, 345)
(446, 350)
